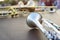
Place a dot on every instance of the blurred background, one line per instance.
(39, 2)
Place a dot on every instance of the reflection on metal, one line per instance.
(34, 21)
(55, 25)
(51, 26)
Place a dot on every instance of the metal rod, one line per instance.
(51, 26)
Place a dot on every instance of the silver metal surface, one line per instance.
(34, 21)
(32, 17)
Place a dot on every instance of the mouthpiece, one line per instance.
(33, 17)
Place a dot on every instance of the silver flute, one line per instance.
(34, 20)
